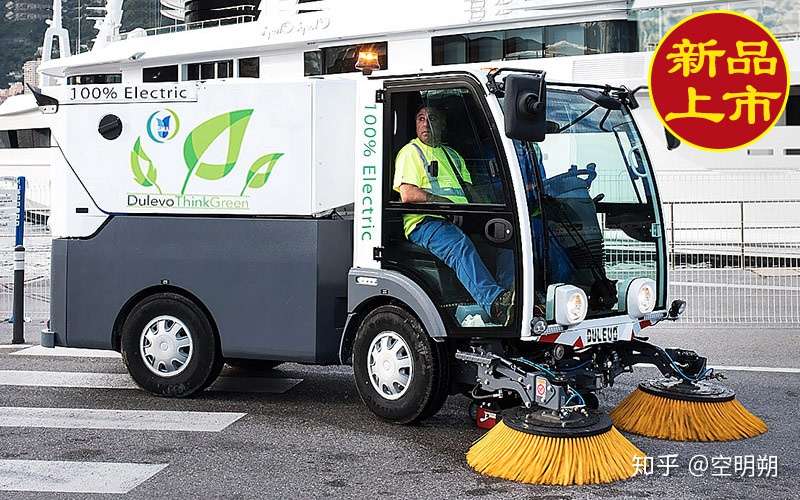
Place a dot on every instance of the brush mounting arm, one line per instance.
(678, 363)
(495, 373)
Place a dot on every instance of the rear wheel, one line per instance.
(401, 374)
(169, 346)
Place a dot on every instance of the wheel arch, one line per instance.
(386, 288)
(116, 333)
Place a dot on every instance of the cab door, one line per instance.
(449, 216)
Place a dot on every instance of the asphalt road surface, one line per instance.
(301, 432)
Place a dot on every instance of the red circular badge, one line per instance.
(719, 80)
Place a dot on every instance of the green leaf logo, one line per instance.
(138, 156)
(259, 173)
(201, 138)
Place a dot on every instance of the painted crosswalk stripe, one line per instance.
(87, 380)
(144, 420)
(69, 352)
(11, 347)
(67, 379)
(74, 477)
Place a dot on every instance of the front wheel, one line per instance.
(169, 346)
(401, 374)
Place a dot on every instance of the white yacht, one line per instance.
(571, 39)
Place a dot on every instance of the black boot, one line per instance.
(503, 308)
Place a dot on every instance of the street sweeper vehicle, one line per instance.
(483, 232)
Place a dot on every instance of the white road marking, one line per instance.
(13, 346)
(764, 369)
(67, 379)
(140, 420)
(756, 369)
(262, 385)
(69, 352)
(86, 380)
(74, 477)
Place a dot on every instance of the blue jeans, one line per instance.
(449, 243)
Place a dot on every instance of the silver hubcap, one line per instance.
(166, 346)
(389, 365)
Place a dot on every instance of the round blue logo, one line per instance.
(163, 125)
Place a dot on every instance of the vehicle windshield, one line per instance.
(590, 189)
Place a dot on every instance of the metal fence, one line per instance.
(37, 244)
(734, 262)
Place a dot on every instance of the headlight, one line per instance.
(571, 305)
(641, 297)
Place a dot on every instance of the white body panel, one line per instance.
(368, 191)
(308, 122)
(66, 196)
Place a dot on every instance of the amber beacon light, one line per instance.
(368, 62)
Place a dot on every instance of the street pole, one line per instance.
(19, 268)
(19, 295)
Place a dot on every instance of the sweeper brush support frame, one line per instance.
(497, 374)
(687, 405)
(546, 423)
(697, 392)
(679, 363)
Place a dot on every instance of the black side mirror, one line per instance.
(672, 141)
(525, 106)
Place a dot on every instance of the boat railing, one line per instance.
(180, 27)
(788, 37)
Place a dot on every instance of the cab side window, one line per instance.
(456, 122)
(448, 223)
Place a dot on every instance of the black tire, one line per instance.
(429, 385)
(253, 365)
(205, 362)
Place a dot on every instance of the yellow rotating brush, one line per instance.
(682, 411)
(540, 448)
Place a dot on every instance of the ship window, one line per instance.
(791, 117)
(526, 43)
(160, 74)
(98, 79)
(25, 138)
(565, 40)
(601, 37)
(450, 49)
(341, 59)
(249, 67)
(224, 69)
(312, 63)
(208, 70)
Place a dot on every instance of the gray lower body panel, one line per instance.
(275, 288)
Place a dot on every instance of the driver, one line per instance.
(427, 171)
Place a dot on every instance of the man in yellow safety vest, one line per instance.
(427, 171)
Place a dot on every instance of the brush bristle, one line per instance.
(676, 420)
(509, 454)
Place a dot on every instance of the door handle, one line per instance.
(498, 230)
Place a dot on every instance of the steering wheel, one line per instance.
(590, 172)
